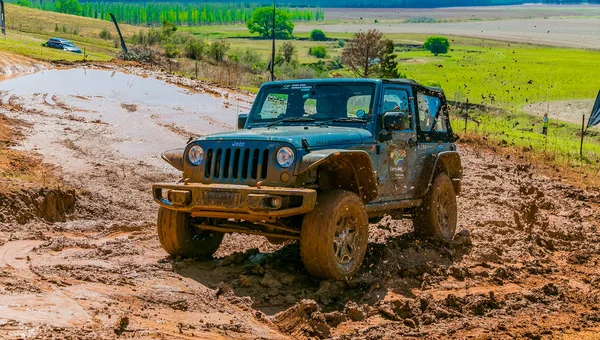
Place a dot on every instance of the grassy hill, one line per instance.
(28, 28)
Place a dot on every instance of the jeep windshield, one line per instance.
(313, 103)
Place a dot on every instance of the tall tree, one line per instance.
(261, 22)
(388, 61)
(68, 6)
(437, 45)
(362, 53)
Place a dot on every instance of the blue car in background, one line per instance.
(62, 44)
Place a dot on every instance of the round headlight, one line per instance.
(196, 155)
(285, 157)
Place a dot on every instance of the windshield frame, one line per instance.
(264, 92)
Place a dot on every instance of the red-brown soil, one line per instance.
(524, 264)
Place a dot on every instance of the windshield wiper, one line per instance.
(344, 119)
(292, 119)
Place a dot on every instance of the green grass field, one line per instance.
(523, 132)
(488, 72)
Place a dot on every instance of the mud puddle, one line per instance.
(145, 112)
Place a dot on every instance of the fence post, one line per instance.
(582, 133)
(466, 114)
(196, 69)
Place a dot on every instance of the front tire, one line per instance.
(179, 237)
(334, 236)
(436, 217)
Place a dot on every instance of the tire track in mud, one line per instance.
(44, 305)
(12, 65)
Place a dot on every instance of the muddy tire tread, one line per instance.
(315, 247)
(177, 240)
(424, 217)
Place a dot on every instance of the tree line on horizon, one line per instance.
(178, 13)
(377, 4)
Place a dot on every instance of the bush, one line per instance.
(295, 71)
(218, 50)
(152, 38)
(171, 51)
(288, 50)
(342, 43)
(437, 45)
(317, 35)
(194, 49)
(318, 51)
(168, 28)
(105, 34)
(335, 64)
(417, 20)
(250, 57)
(142, 54)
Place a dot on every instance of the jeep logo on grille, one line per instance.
(238, 144)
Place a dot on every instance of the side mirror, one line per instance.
(242, 118)
(394, 121)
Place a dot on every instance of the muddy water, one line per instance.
(145, 115)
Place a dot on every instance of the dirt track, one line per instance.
(526, 266)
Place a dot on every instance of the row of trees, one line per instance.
(154, 13)
(407, 3)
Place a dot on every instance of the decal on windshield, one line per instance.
(301, 87)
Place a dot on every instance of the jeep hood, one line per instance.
(316, 136)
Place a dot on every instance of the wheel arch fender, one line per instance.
(447, 162)
(365, 185)
(174, 157)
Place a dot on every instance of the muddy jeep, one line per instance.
(315, 161)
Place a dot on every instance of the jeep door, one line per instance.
(434, 133)
(395, 155)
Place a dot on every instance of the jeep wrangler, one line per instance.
(315, 161)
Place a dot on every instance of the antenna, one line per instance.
(2, 23)
(114, 20)
(273, 47)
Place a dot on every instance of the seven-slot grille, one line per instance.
(236, 163)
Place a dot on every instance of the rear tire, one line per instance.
(436, 217)
(334, 236)
(179, 237)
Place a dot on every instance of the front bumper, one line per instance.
(234, 201)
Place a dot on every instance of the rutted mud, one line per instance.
(524, 264)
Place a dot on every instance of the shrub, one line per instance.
(250, 57)
(194, 49)
(168, 28)
(218, 50)
(317, 35)
(342, 43)
(105, 34)
(152, 38)
(142, 54)
(318, 51)
(171, 51)
(288, 50)
(416, 20)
